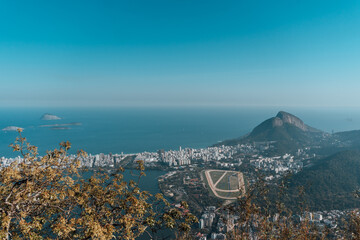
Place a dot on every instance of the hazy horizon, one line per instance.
(180, 53)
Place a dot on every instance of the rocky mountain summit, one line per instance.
(287, 118)
(287, 131)
(284, 117)
(282, 120)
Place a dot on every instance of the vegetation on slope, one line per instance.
(331, 182)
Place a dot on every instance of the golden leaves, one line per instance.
(15, 147)
(66, 145)
(44, 196)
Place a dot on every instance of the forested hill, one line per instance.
(330, 182)
(286, 130)
(348, 138)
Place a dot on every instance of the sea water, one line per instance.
(132, 130)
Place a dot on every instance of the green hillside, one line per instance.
(331, 182)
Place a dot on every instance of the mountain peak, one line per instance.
(284, 114)
(287, 131)
(285, 117)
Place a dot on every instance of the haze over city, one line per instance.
(180, 53)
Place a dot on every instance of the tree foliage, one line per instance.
(46, 198)
(261, 218)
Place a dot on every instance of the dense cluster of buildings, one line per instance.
(171, 158)
(5, 162)
(229, 156)
(206, 222)
(329, 219)
(223, 156)
(97, 160)
(278, 164)
(188, 155)
(207, 218)
(219, 222)
(102, 160)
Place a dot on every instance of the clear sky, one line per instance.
(180, 53)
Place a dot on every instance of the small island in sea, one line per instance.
(50, 117)
(11, 128)
(62, 126)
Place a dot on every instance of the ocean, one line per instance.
(131, 130)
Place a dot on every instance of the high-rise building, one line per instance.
(201, 223)
(161, 153)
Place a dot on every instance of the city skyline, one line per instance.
(179, 53)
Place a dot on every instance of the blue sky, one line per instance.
(180, 53)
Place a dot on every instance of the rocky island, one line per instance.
(11, 128)
(50, 117)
